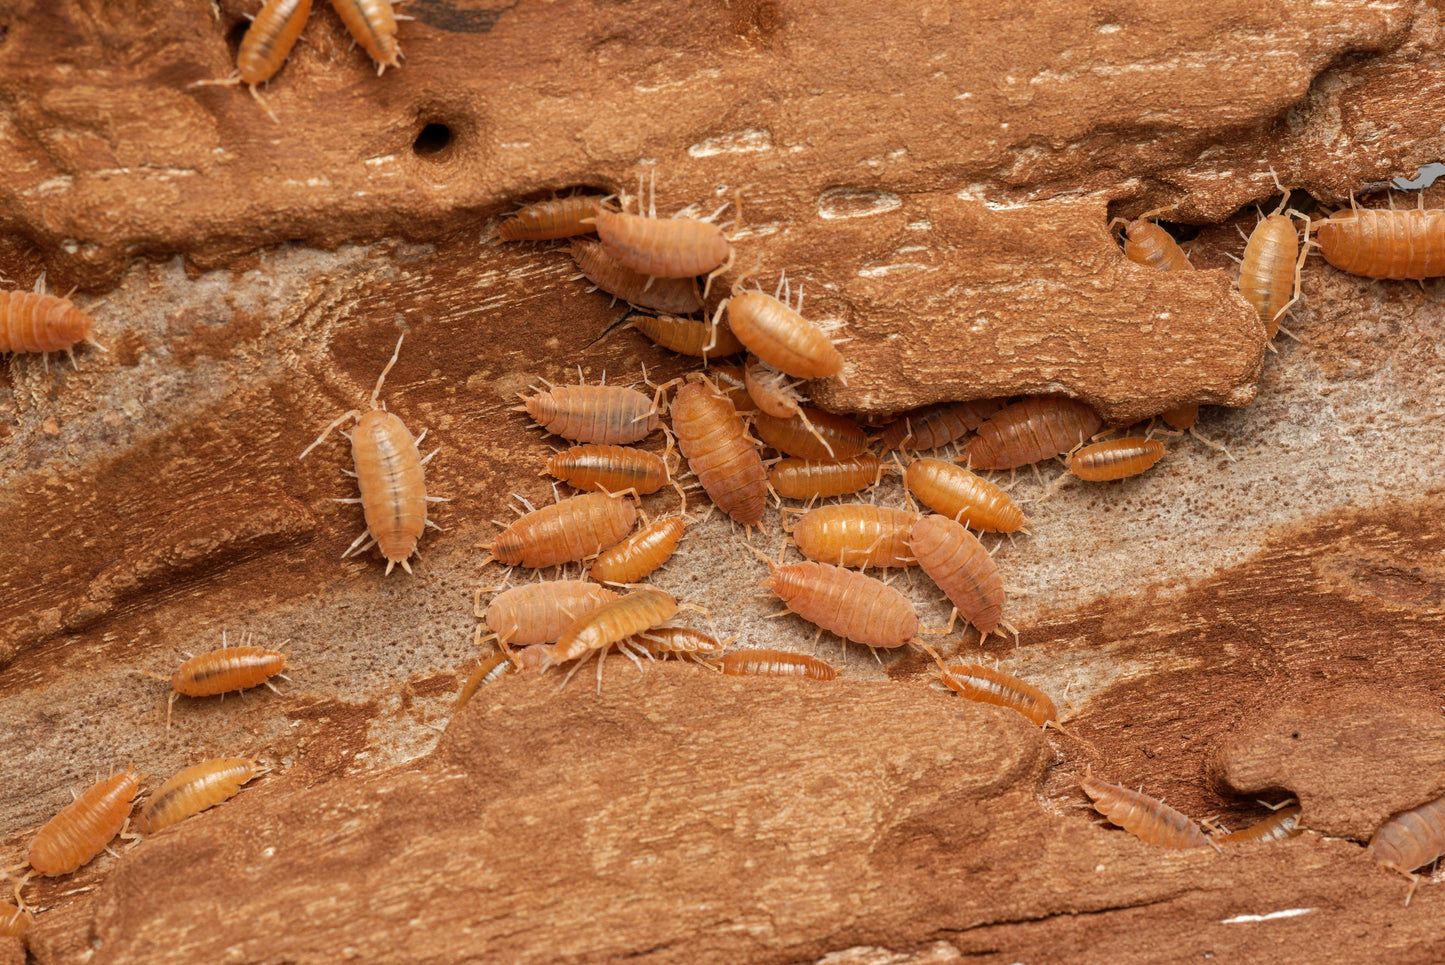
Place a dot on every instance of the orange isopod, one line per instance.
(1385, 244)
(664, 247)
(193, 790)
(682, 642)
(938, 425)
(1038, 428)
(989, 686)
(549, 220)
(780, 335)
(1148, 819)
(1269, 270)
(771, 389)
(812, 434)
(1115, 459)
(687, 336)
(34, 321)
(1148, 244)
(715, 443)
(614, 622)
(1277, 827)
(641, 553)
(610, 469)
(852, 605)
(1181, 417)
(222, 671)
(496, 666)
(602, 414)
(14, 922)
(536, 657)
(775, 663)
(856, 535)
(86, 825)
(1411, 838)
(539, 612)
(675, 296)
(373, 24)
(815, 479)
(391, 475)
(572, 529)
(270, 38)
(955, 560)
(731, 380)
(955, 492)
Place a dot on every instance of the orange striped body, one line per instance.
(682, 641)
(549, 220)
(222, 671)
(614, 622)
(85, 826)
(687, 336)
(662, 247)
(32, 322)
(781, 337)
(1412, 838)
(373, 24)
(1115, 459)
(819, 479)
(715, 443)
(840, 433)
(1278, 826)
(955, 492)
(611, 469)
(1266, 273)
(675, 296)
(495, 667)
(938, 425)
(1182, 417)
(14, 922)
(1150, 820)
(541, 612)
(393, 490)
(601, 414)
(1030, 431)
(989, 686)
(854, 606)
(573, 529)
(1385, 244)
(856, 535)
(641, 553)
(775, 663)
(1148, 244)
(955, 560)
(269, 39)
(194, 789)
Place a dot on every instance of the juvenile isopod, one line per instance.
(1148, 244)
(664, 247)
(812, 434)
(1385, 244)
(1148, 819)
(85, 826)
(1115, 459)
(1411, 839)
(731, 381)
(641, 553)
(1277, 827)
(937, 425)
(856, 535)
(775, 663)
(687, 336)
(989, 686)
(960, 495)
(539, 612)
(373, 25)
(493, 668)
(222, 671)
(572, 529)
(955, 560)
(771, 389)
(14, 922)
(780, 335)
(391, 475)
(614, 622)
(676, 641)
(715, 443)
(815, 479)
(601, 414)
(193, 790)
(34, 321)
(549, 220)
(1033, 430)
(610, 469)
(853, 606)
(1269, 272)
(266, 45)
(674, 296)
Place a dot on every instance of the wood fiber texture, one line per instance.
(939, 178)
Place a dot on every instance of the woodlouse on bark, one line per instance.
(1148, 244)
(779, 334)
(687, 336)
(572, 529)
(1030, 431)
(493, 668)
(550, 220)
(391, 474)
(665, 247)
(856, 535)
(674, 296)
(683, 642)
(373, 25)
(953, 491)
(1148, 819)
(83, 829)
(1410, 840)
(14, 922)
(539, 612)
(265, 47)
(614, 622)
(856, 607)
(193, 790)
(990, 686)
(819, 479)
(222, 671)
(775, 663)
(610, 469)
(731, 381)
(812, 434)
(955, 560)
(771, 389)
(1394, 244)
(34, 321)
(1278, 826)
(1269, 272)
(599, 414)
(937, 425)
(715, 443)
(1115, 459)
(641, 553)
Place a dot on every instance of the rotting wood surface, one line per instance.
(152, 496)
